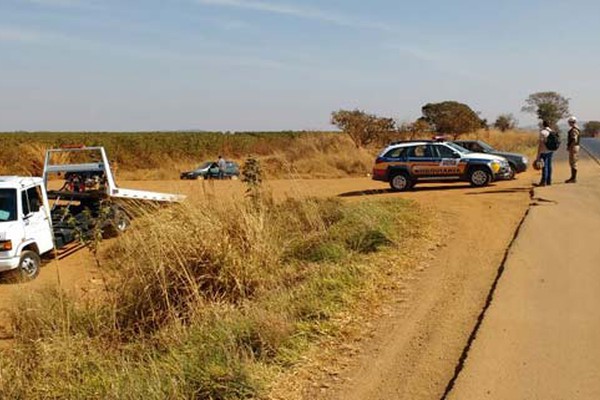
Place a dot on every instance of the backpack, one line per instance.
(553, 141)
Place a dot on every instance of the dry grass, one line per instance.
(208, 302)
(214, 301)
(155, 155)
(34, 155)
(311, 156)
(162, 156)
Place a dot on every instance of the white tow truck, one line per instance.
(37, 220)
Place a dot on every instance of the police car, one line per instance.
(403, 164)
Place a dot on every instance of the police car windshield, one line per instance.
(486, 146)
(458, 148)
(8, 205)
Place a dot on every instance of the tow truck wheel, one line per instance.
(29, 266)
(118, 224)
(480, 177)
(121, 221)
(400, 182)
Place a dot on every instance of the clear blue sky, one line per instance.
(270, 64)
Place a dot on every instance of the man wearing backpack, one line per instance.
(573, 147)
(548, 142)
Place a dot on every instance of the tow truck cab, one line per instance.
(25, 225)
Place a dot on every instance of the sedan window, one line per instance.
(476, 147)
(459, 148)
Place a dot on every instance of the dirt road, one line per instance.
(540, 336)
(414, 349)
(75, 273)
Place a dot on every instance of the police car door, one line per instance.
(449, 161)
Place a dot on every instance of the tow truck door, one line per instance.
(36, 221)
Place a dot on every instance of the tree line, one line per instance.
(450, 118)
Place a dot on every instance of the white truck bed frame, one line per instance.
(111, 188)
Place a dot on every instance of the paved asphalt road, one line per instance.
(539, 338)
(592, 145)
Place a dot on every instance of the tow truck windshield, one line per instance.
(8, 205)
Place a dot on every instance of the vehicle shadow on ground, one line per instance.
(524, 189)
(8, 278)
(373, 192)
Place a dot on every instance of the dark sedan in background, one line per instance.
(210, 170)
(518, 162)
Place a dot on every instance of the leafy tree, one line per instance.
(484, 123)
(548, 106)
(591, 128)
(362, 128)
(420, 128)
(505, 122)
(414, 130)
(451, 117)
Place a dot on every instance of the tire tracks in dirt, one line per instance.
(412, 351)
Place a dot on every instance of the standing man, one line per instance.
(573, 147)
(221, 164)
(545, 155)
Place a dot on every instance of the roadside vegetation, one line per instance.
(218, 300)
(591, 129)
(211, 300)
(162, 156)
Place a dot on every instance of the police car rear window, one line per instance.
(396, 153)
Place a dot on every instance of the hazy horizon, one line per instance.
(268, 65)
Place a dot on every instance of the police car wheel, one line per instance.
(480, 177)
(400, 182)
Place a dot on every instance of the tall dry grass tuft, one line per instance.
(322, 156)
(190, 254)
